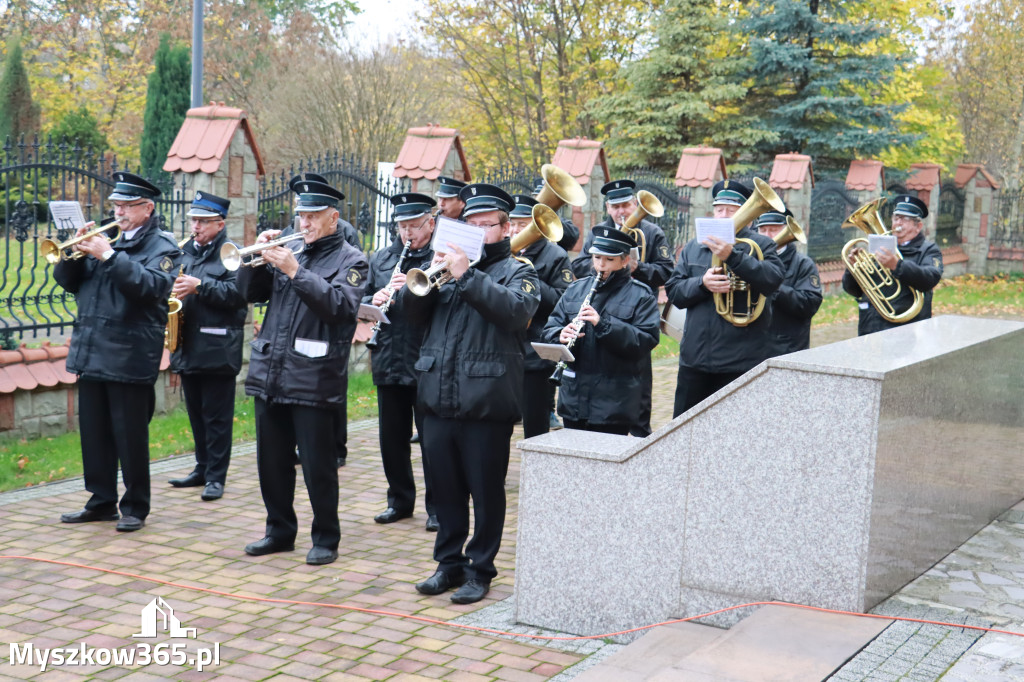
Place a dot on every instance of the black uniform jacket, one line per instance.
(350, 233)
(555, 276)
(398, 343)
(794, 304)
(213, 318)
(471, 362)
(710, 343)
(570, 235)
(921, 269)
(657, 265)
(122, 307)
(604, 384)
(301, 354)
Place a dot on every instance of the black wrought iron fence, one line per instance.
(675, 201)
(951, 215)
(1007, 220)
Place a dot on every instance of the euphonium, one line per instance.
(646, 205)
(251, 256)
(761, 200)
(54, 252)
(560, 188)
(876, 281)
(544, 223)
(577, 324)
(372, 343)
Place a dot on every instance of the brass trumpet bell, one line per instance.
(543, 225)
(420, 282)
(233, 257)
(560, 188)
(55, 252)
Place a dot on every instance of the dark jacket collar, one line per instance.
(493, 253)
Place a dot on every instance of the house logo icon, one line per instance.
(157, 616)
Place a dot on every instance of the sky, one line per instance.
(381, 19)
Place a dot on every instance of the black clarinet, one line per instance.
(372, 343)
(577, 324)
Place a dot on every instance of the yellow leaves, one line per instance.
(22, 462)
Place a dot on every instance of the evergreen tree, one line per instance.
(18, 114)
(816, 80)
(80, 128)
(168, 96)
(683, 92)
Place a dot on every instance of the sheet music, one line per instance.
(553, 351)
(67, 215)
(469, 238)
(371, 313)
(881, 241)
(716, 227)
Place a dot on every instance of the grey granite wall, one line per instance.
(829, 477)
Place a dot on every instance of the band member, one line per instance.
(620, 325)
(714, 351)
(298, 369)
(346, 228)
(654, 271)
(554, 275)
(798, 297)
(122, 291)
(448, 199)
(470, 390)
(570, 233)
(209, 356)
(395, 352)
(920, 267)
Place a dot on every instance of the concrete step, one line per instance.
(774, 644)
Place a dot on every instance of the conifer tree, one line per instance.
(19, 115)
(168, 96)
(816, 79)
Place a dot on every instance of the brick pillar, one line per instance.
(975, 226)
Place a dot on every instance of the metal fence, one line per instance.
(1007, 220)
(676, 221)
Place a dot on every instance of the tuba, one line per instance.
(876, 281)
(791, 232)
(544, 223)
(731, 307)
(646, 205)
(560, 188)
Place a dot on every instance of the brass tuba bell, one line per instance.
(791, 232)
(560, 188)
(646, 205)
(544, 224)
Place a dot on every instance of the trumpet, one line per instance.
(646, 205)
(420, 282)
(55, 253)
(251, 256)
(372, 343)
(577, 324)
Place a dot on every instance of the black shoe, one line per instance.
(193, 480)
(87, 515)
(439, 583)
(318, 556)
(432, 524)
(341, 462)
(212, 491)
(390, 515)
(415, 437)
(471, 592)
(129, 524)
(268, 545)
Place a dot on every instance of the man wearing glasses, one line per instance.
(121, 290)
(469, 389)
(209, 356)
(395, 352)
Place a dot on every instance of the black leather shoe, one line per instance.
(391, 515)
(193, 480)
(87, 515)
(432, 524)
(129, 524)
(471, 592)
(439, 583)
(268, 545)
(213, 491)
(318, 556)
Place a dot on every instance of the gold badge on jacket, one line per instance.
(166, 264)
(567, 275)
(935, 261)
(663, 250)
(815, 282)
(528, 286)
(353, 277)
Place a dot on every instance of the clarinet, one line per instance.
(372, 343)
(577, 324)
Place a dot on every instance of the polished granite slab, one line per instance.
(829, 477)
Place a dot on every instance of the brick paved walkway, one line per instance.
(199, 543)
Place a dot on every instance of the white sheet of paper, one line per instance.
(311, 348)
(553, 351)
(67, 215)
(216, 331)
(716, 227)
(469, 238)
(674, 321)
(371, 313)
(881, 241)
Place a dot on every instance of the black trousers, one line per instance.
(341, 430)
(537, 396)
(113, 420)
(468, 460)
(693, 385)
(642, 428)
(396, 415)
(279, 429)
(210, 401)
(619, 429)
